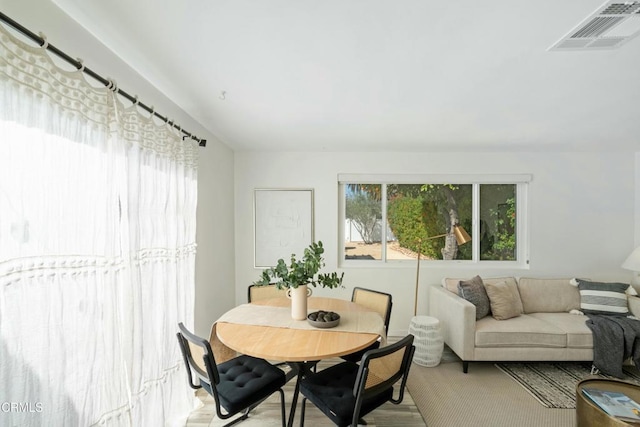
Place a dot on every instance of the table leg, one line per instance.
(303, 368)
(296, 391)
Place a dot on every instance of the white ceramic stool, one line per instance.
(427, 339)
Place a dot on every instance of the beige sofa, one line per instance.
(545, 331)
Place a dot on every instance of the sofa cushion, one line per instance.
(504, 299)
(451, 283)
(548, 295)
(603, 298)
(578, 333)
(473, 291)
(493, 280)
(521, 331)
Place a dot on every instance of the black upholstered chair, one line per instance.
(348, 391)
(381, 303)
(237, 385)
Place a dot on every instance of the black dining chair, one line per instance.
(237, 385)
(381, 303)
(348, 391)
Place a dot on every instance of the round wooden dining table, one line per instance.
(298, 345)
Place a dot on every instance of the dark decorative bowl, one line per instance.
(329, 319)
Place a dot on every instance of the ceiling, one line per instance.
(379, 75)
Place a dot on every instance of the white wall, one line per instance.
(581, 204)
(581, 212)
(215, 238)
(215, 261)
(637, 200)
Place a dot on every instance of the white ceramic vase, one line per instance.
(298, 298)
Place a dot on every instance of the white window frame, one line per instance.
(520, 180)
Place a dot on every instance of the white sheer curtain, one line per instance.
(97, 252)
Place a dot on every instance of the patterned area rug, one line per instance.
(554, 384)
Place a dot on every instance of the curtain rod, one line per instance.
(108, 83)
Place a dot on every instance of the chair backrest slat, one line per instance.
(385, 368)
(259, 292)
(199, 356)
(379, 302)
(221, 352)
(381, 368)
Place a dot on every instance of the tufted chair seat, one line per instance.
(348, 391)
(246, 379)
(333, 393)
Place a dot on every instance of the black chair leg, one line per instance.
(243, 417)
(302, 409)
(282, 410)
(245, 413)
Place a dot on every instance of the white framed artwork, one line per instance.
(283, 224)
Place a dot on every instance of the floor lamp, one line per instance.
(462, 237)
(426, 329)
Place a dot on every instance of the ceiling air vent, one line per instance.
(610, 26)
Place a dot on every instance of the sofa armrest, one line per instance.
(634, 305)
(457, 320)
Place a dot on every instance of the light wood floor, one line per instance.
(268, 413)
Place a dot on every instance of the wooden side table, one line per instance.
(588, 414)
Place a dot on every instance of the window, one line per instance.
(479, 218)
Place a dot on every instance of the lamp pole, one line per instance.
(461, 237)
(415, 298)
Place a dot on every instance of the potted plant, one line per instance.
(298, 275)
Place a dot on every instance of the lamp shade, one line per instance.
(462, 236)
(633, 261)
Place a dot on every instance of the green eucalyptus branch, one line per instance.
(301, 272)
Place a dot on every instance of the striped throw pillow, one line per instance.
(603, 298)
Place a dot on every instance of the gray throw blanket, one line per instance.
(615, 339)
